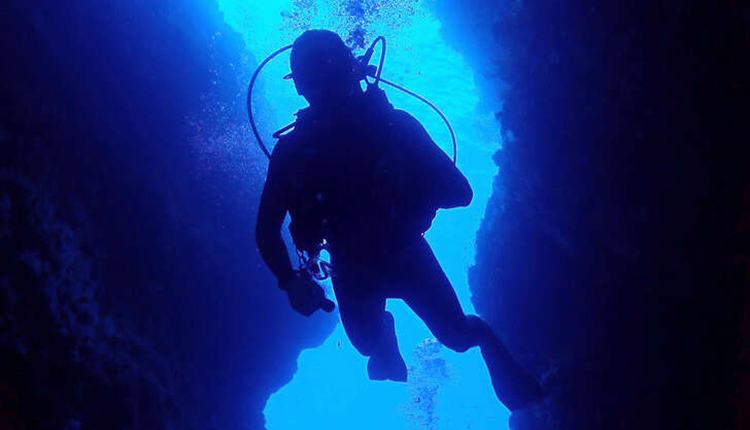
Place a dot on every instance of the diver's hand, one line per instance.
(306, 296)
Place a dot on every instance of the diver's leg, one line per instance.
(387, 362)
(429, 293)
(371, 329)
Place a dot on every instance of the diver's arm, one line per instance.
(271, 213)
(305, 295)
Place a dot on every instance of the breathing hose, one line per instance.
(312, 265)
(365, 59)
(364, 62)
(435, 108)
(250, 98)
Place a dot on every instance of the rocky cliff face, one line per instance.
(132, 294)
(66, 362)
(610, 259)
(612, 252)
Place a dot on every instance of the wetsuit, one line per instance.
(369, 179)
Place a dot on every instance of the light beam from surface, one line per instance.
(447, 391)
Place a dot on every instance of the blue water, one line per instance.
(446, 390)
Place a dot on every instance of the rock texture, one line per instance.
(132, 293)
(67, 363)
(613, 253)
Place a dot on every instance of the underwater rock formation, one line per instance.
(65, 361)
(612, 258)
(131, 294)
(181, 326)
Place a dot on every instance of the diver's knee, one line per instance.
(470, 333)
(370, 338)
(364, 344)
(362, 336)
(479, 329)
(458, 339)
(458, 343)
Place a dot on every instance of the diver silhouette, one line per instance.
(367, 179)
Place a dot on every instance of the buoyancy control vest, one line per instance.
(346, 175)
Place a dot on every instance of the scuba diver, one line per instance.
(365, 181)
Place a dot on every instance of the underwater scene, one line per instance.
(445, 390)
(374, 214)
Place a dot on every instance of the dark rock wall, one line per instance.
(66, 362)
(612, 257)
(156, 310)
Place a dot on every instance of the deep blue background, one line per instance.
(613, 256)
(94, 114)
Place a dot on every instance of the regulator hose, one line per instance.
(364, 61)
(250, 98)
(435, 108)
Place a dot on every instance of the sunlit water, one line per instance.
(446, 390)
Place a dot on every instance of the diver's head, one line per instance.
(323, 68)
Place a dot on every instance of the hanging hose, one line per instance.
(250, 98)
(313, 266)
(435, 108)
(364, 60)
